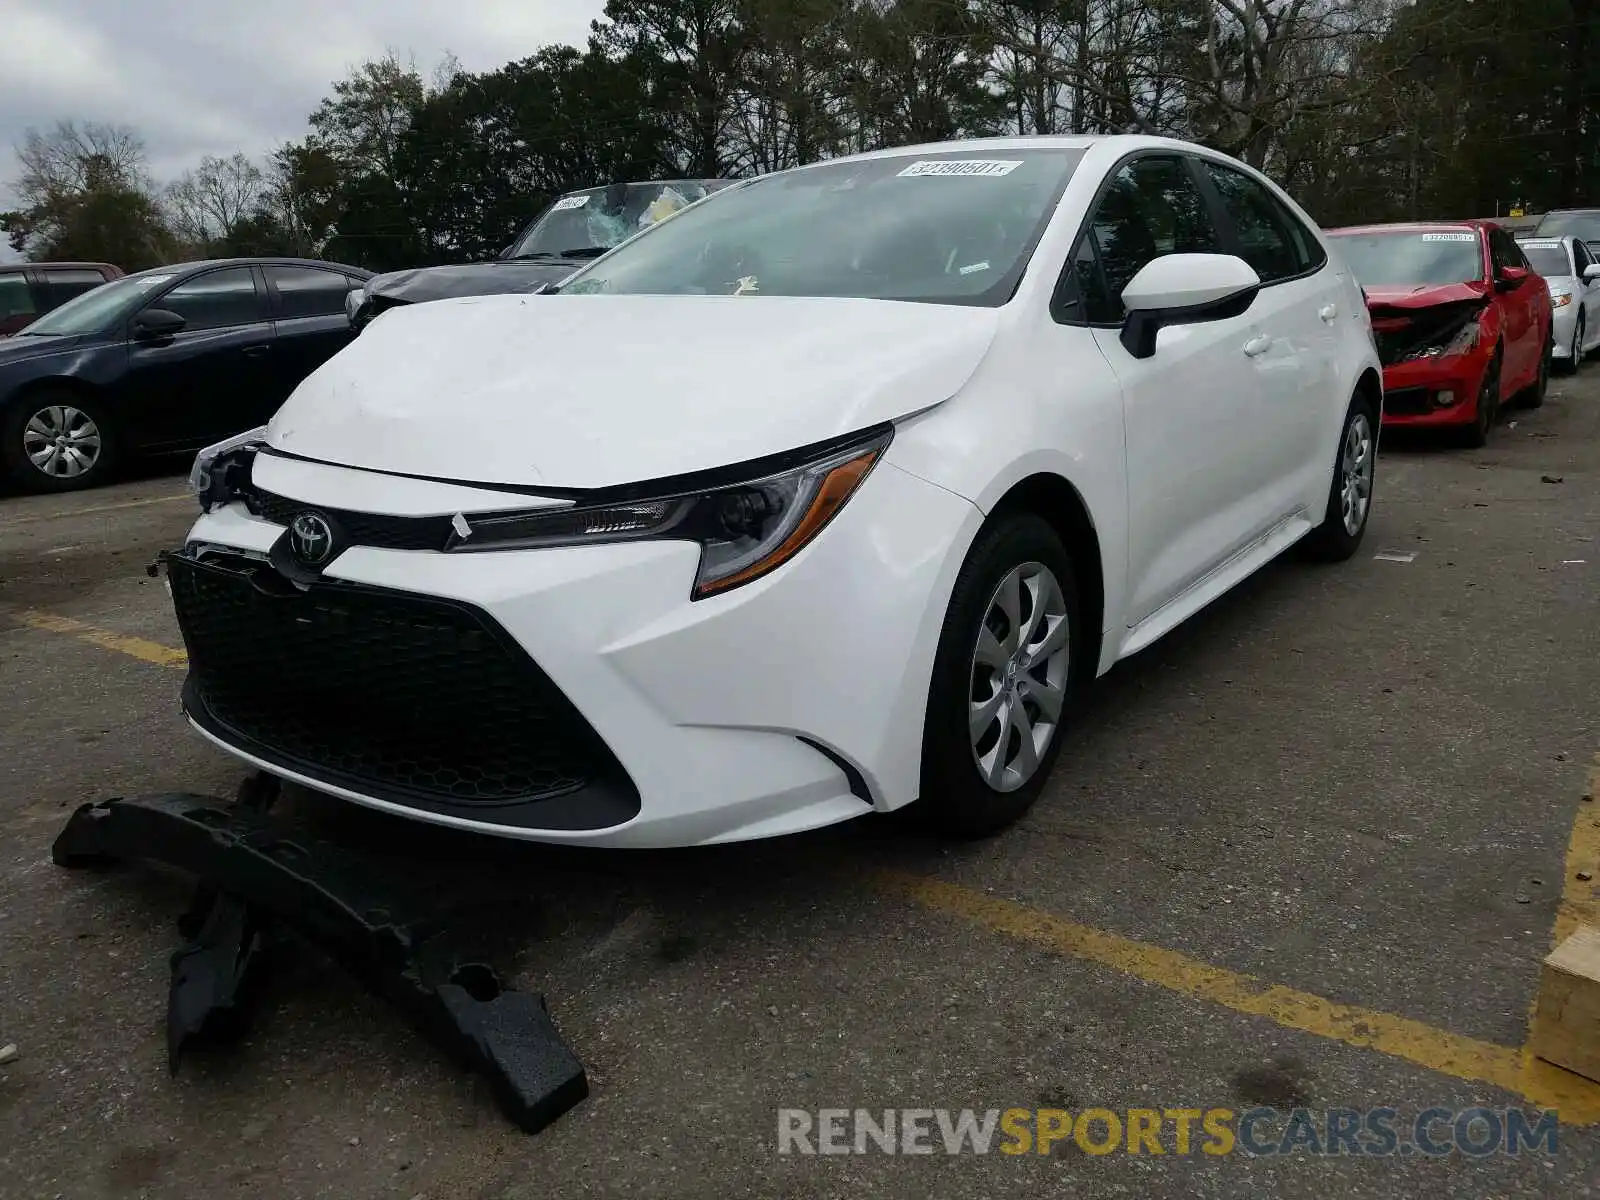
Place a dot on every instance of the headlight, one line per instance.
(209, 477)
(745, 530)
(1559, 299)
(1465, 339)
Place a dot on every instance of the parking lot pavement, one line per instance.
(1307, 851)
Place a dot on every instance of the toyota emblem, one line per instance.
(311, 539)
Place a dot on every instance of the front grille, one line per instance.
(390, 694)
(357, 528)
(1406, 402)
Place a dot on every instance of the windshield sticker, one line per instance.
(986, 168)
(566, 202)
(747, 285)
(974, 268)
(1449, 237)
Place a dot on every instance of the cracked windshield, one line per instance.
(954, 229)
(586, 224)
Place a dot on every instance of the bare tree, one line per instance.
(75, 158)
(208, 203)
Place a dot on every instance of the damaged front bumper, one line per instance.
(259, 878)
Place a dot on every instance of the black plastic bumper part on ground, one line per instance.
(256, 875)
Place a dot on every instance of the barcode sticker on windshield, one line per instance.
(567, 202)
(1449, 237)
(984, 167)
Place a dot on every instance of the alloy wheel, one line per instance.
(1356, 466)
(1019, 676)
(1577, 343)
(63, 442)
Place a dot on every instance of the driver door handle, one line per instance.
(256, 351)
(1257, 345)
(1328, 312)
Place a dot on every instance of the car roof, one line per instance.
(1552, 212)
(77, 266)
(186, 268)
(1415, 227)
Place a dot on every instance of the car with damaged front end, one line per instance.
(828, 496)
(575, 228)
(1462, 322)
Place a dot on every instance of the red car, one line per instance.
(1461, 320)
(29, 290)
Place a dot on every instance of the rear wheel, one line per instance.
(1350, 495)
(56, 441)
(1003, 676)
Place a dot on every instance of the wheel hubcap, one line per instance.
(1355, 474)
(1019, 676)
(61, 441)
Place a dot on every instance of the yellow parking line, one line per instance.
(133, 647)
(101, 508)
(1399, 1037)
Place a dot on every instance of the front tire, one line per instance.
(56, 441)
(1355, 470)
(1004, 676)
(1575, 358)
(1488, 407)
(1533, 397)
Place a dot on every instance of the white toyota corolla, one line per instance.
(821, 498)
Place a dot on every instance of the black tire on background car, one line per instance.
(56, 440)
(1488, 411)
(1575, 358)
(1355, 469)
(1004, 678)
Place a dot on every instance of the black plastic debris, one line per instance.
(259, 879)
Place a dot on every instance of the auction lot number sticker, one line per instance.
(986, 168)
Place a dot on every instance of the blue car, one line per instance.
(162, 361)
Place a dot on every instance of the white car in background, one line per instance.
(823, 498)
(1573, 273)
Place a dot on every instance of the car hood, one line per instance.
(1427, 295)
(23, 346)
(594, 391)
(500, 277)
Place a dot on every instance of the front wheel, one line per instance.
(1003, 676)
(1488, 407)
(1575, 356)
(1355, 470)
(56, 441)
(1533, 397)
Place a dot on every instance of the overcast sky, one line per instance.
(201, 77)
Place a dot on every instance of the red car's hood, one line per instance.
(1427, 295)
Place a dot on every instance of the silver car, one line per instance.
(1572, 271)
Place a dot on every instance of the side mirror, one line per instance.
(1184, 289)
(1591, 272)
(157, 323)
(1510, 278)
(353, 300)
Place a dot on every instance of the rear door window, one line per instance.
(308, 291)
(63, 283)
(16, 300)
(1270, 238)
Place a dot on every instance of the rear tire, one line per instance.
(1004, 678)
(1355, 471)
(56, 440)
